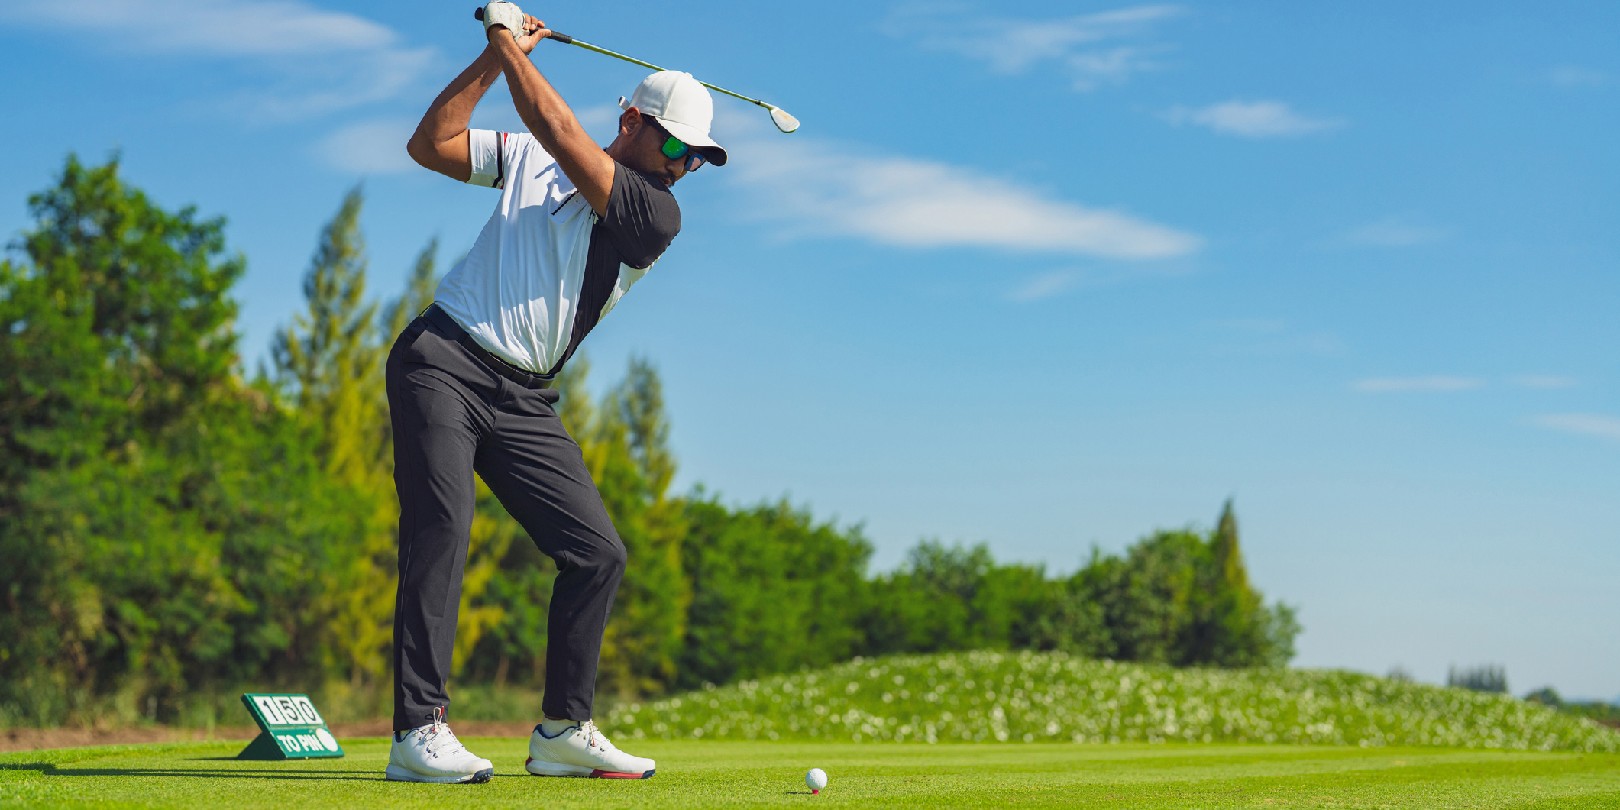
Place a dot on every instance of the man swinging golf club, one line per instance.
(469, 382)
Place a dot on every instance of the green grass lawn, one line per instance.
(713, 773)
(985, 729)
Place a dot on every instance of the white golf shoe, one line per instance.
(431, 753)
(581, 750)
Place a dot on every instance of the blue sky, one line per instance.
(1039, 275)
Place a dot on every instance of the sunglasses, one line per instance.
(674, 148)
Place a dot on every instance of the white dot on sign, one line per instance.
(327, 740)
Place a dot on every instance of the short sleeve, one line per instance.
(641, 218)
(486, 150)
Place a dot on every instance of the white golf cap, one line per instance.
(683, 106)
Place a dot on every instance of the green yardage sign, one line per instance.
(290, 728)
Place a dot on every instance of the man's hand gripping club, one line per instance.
(525, 30)
(543, 111)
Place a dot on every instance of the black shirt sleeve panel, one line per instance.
(642, 217)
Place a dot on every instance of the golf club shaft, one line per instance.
(568, 40)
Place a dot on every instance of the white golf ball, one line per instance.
(816, 779)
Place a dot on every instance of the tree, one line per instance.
(629, 458)
(1487, 678)
(924, 606)
(1546, 696)
(327, 358)
(1228, 629)
(772, 591)
(327, 363)
(1149, 597)
(144, 501)
(419, 288)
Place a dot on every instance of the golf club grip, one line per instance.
(478, 14)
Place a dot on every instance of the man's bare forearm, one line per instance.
(553, 124)
(539, 105)
(453, 109)
(436, 138)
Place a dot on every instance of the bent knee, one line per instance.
(607, 556)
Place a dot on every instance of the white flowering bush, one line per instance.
(1053, 697)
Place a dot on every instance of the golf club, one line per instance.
(780, 117)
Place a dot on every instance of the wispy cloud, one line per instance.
(1381, 385)
(369, 147)
(915, 203)
(1441, 382)
(1573, 76)
(1045, 285)
(1394, 233)
(1091, 50)
(220, 28)
(1542, 381)
(311, 61)
(1584, 424)
(1055, 283)
(302, 92)
(1251, 119)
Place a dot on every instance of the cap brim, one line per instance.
(691, 136)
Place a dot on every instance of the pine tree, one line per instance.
(329, 363)
(631, 463)
(1228, 556)
(419, 289)
(418, 294)
(327, 359)
(1230, 625)
(640, 402)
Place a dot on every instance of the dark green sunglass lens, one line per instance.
(674, 148)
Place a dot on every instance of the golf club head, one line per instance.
(783, 121)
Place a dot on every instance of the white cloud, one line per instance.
(1091, 49)
(1380, 385)
(1543, 381)
(1394, 233)
(311, 61)
(1585, 424)
(1251, 119)
(236, 27)
(369, 147)
(916, 203)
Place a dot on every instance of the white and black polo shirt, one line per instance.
(546, 269)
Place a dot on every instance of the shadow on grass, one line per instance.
(52, 769)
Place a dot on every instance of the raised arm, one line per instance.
(440, 140)
(549, 119)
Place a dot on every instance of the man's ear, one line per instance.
(629, 121)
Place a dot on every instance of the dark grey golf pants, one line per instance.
(453, 413)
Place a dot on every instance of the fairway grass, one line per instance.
(715, 774)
